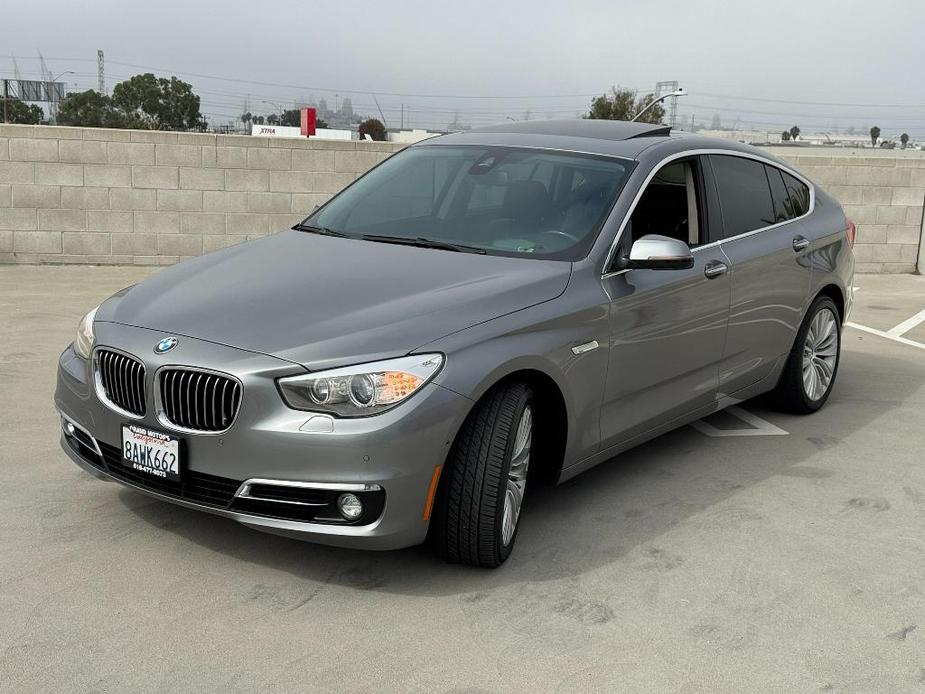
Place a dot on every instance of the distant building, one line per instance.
(763, 137)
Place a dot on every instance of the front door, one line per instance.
(667, 327)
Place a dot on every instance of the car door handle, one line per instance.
(714, 269)
(800, 242)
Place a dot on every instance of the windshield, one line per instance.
(496, 200)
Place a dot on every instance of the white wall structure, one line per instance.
(275, 131)
(409, 137)
(333, 134)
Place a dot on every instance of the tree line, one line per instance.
(148, 102)
(142, 102)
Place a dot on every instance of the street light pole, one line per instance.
(54, 102)
(677, 92)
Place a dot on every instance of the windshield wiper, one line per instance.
(324, 231)
(423, 242)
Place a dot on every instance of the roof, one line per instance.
(607, 137)
(604, 137)
(579, 127)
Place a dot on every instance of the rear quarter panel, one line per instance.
(831, 258)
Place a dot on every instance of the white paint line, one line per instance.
(880, 333)
(907, 325)
(759, 426)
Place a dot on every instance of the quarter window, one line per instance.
(783, 207)
(799, 194)
(789, 194)
(744, 194)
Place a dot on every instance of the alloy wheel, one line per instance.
(820, 354)
(517, 476)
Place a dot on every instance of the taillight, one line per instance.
(852, 232)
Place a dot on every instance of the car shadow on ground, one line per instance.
(617, 510)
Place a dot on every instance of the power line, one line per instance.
(806, 103)
(738, 97)
(791, 114)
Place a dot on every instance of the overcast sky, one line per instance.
(429, 54)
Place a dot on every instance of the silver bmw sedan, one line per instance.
(479, 313)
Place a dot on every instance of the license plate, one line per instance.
(151, 451)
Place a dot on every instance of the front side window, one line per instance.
(669, 205)
(744, 194)
(502, 200)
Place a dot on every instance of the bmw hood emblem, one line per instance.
(165, 345)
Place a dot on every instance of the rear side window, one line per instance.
(744, 194)
(799, 194)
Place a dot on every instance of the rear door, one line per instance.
(761, 207)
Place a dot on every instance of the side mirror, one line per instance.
(654, 252)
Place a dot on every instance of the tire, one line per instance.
(800, 392)
(473, 499)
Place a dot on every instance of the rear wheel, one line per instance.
(812, 364)
(482, 491)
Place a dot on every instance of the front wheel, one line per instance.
(482, 493)
(812, 364)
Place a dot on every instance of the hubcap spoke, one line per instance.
(517, 475)
(820, 354)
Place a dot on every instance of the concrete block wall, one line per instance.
(93, 195)
(882, 192)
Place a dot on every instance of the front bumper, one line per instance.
(388, 459)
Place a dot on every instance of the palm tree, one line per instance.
(874, 135)
(904, 139)
(794, 132)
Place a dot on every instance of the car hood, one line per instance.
(325, 302)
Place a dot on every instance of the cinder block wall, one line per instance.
(92, 195)
(89, 195)
(882, 191)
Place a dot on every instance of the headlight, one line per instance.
(360, 391)
(83, 343)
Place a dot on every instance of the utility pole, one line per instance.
(402, 116)
(6, 98)
(100, 73)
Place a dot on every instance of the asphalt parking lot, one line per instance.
(755, 552)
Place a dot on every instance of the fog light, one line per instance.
(350, 506)
(69, 428)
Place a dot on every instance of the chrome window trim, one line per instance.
(696, 153)
(161, 415)
(98, 381)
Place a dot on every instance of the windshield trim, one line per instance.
(573, 254)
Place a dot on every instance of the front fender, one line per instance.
(538, 339)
